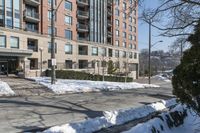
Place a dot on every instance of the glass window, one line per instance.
(130, 37)
(130, 28)
(68, 49)
(117, 32)
(134, 21)
(117, 53)
(117, 22)
(2, 41)
(116, 12)
(124, 25)
(130, 19)
(95, 51)
(130, 46)
(117, 42)
(14, 42)
(103, 52)
(49, 30)
(124, 34)
(68, 5)
(17, 13)
(117, 2)
(68, 20)
(49, 2)
(135, 55)
(134, 29)
(2, 9)
(124, 15)
(49, 16)
(9, 13)
(124, 44)
(68, 34)
(130, 55)
(134, 38)
(49, 47)
(124, 54)
(124, 5)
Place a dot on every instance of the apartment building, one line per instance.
(87, 33)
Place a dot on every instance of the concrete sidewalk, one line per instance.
(19, 114)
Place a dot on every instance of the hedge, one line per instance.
(66, 74)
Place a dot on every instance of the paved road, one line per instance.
(19, 114)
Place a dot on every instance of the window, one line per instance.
(110, 52)
(68, 34)
(117, 2)
(130, 19)
(124, 54)
(135, 55)
(124, 15)
(82, 50)
(130, 1)
(134, 29)
(49, 30)
(103, 52)
(130, 55)
(49, 47)
(130, 46)
(134, 46)
(14, 42)
(124, 44)
(2, 15)
(49, 16)
(134, 21)
(32, 44)
(68, 49)
(124, 25)
(68, 64)
(16, 18)
(49, 2)
(124, 6)
(130, 28)
(124, 34)
(68, 5)
(117, 53)
(117, 22)
(68, 20)
(2, 41)
(117, 33)
(117, 43)
(116, 12)
(134, 38)
(134, 12)
(130, 37)
(95, 51)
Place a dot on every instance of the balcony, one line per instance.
(32, 2)
(82, 2)
(31, 16)
(109, 12)
(109, 2)
(109, 23)
(83, 14)
(109, 34)
(82, 27)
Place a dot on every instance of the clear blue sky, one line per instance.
(143, 30)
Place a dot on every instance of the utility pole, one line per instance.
(53, 60)
(181, 49)
(149, 51)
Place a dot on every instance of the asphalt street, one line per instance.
(24, 113)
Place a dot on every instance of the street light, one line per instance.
(41, 50)
(150, 46)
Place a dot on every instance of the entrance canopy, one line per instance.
(15, 52)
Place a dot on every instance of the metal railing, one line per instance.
(83, 1)
(82, 26)
(31, 14)
(83, 13)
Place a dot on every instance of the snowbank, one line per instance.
(109, 119)
(63, 85)
(5, 89)
(189, 125)
(162, 78)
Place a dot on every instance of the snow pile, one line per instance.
(188, 122)
(162, 78)
(63, 85)
(5, 89)
(109, 119)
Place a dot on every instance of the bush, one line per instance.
(186, 79)
(66, 74)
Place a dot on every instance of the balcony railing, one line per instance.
(83, 14)
(83, 2)
(82, 27)
(83, 38)
(33, 2)
(31, 16)
(109, 23)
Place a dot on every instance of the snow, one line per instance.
(161, 78)
(109, 119)
(190, 125)
(5, 89)
(64, 85)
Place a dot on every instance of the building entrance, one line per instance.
(8, 65)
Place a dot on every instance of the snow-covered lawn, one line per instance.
(111, 118)
(5, 89)
(191, 123)
(64, 85)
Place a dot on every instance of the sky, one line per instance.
(143, 32)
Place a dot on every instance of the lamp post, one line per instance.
(150, 46)
(41, 50)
